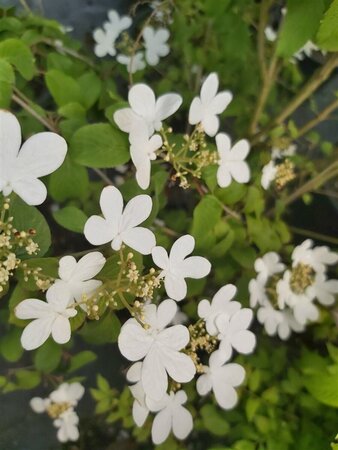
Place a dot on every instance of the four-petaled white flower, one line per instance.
(278, 322)
(323, 289)
(221, 304)
(116, 23)
(171, 415)
(176, 267)
(269, 173)
(50, 318)
(233, 333)
(257, 292)
(222, 379)
(143, 151)
(268, 265)
(20, 170)
(76, 277)
(318, 258)
(159, 346)
(143, 104)
(155, 43)
(133, 63)
(121, 226)
(232, 164)
(205, 108)
(66, 397)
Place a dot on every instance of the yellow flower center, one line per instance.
(302, 276)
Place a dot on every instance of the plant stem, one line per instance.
(33, 113)
(320, 118)
(263, 19)
(103, 176)
(314, 235)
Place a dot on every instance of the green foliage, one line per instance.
(328, 31)
(71, 218)
(17, 53)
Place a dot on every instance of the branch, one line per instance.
(263, 19)
(323, 115)
(314, 235)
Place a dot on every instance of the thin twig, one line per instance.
(314, 235)
(263, 19)
(33, 113)
(323, 115)
(103, 176)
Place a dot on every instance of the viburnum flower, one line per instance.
(116, 23)
(50, 318)
(143, 151)
(233, 333)
(133, 63)
(278, 322)
(176, 267)
(268, 265)
(270, 34)
(306, 50)
(257, 292)
(318, 257)
(269, 173)
(221, 378)
(232, 164)
(140, 410)
(205, 108)
(21, 169)
(171, 415)
(60, 407)
(323, 289)
(76, 277)
(221, 304)
(121, 226)
(155, 44)
(159, 348)
(143, 104)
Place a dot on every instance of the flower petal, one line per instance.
(32, 308)
(165, 313)
(220, 102)
(142, 100)
(195, 111)
(167, 105)
(225, 395)
(240, 150)
(111, 203)
(98, 230)
(137, 210)
(88, 266)
(140, 239)
(161, 426)
(224, 295)
(182, 422)
(209, 88)
(175, 337)
(32, 191)
(204, 384)
(67, 266)
(181, 248)
(125, 119)
(244, 342)
(61, 331)
(10, 138)
(223, 143)
(195, 267)
(140, 413)
(134, 372)
(239, 170)
(37, 332)
(210, 124)
(179, 366)
(223, 176)
(175, 287)
(154, 377)
(133, 341)
(160, 257)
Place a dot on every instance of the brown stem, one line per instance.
(263, 20)
(314, 235)
(323, 115)
(103, 176)
(50, 126)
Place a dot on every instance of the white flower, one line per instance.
(20, 169)
(155, 43)
(306, 50)
(302, 304)
(159, 346)
(76, 277)
(205, 108)
(234, 333)
(257, 292)
(133, 63)
(268, 265)
(232, 164)
(105, 42)
(171, 415)
(143, 104)
(221, 304)
(143, 151)
(179, 318)
(318, 257)
(116, 23)
(221, 378)
(50, 318)
(324, 290)
(278, 153)
(278, 322)
(270, 34)
(176, 267)
(121, 226)
(268, 174)
(60, 405)
(140, 410)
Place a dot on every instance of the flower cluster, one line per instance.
(59, 406)
(145, 116)
(280, 170)
(286, 296)
(112, 37)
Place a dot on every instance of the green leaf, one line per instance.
(327, 36)
(99, 145)
(48, 356)
(27, 217)
(19, 55)
(27, 379)
(81, 359)
(206, 215)
(64, 89)
(101, 331)
(18, 294)
(213, 420)
(10, 345)
(90, 85)
(323, 387)
(70, 181)
(300, 25)
(71, 218)
(6, 72)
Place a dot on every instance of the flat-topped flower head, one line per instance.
(50, 318)
(269, 264)
(232, 163)
(316, 257)
(233, 333)
(20, 169)
(60, 407)
(171, 416)
(120, 225)
(143, 151)
(159, 346)
(221, 303)
(205, 108)
(133, 63)
(143, 104)
(155, 43)
(76, 276)
(221, 378)
(176, 266)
